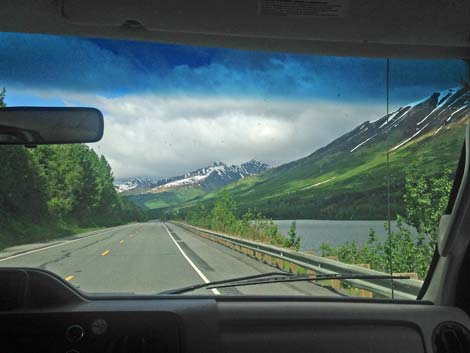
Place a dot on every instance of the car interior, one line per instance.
(40, 312)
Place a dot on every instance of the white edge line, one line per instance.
(198, 271)
(55, 245)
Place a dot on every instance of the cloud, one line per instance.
(171, 108)
(112, 68)
(161, 136)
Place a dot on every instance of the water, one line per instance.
(315, 232)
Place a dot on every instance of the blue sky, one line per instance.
(52, 70)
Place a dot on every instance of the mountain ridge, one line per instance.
(209, 178)
(346, 178)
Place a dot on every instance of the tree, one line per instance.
(293, 240)
(79, 186)
(425, 200)
(222, 217)
(2, 98)
(57, 185)
(223, 213)
(21, 186)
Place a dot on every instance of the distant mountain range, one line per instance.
(346, 179)
(134, 185)
(208, 178)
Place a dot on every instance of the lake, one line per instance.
(315, 232)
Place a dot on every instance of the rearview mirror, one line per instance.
(41, 125)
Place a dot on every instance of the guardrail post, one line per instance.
(362, 292)
(412, 275)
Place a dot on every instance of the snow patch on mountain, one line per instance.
(394, 114)
(363, 142)
(212, 177)
(133, 184)
(430, 113)
(442, 99)
(410, 138)
(194, 179)
(457, 111)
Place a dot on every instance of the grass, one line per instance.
(16, 232)
(168, 198)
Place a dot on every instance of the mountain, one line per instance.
(135, 185)
(408, 122)
(211, 177)
(347, 178)
(206, 179)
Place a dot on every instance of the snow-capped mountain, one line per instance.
(211, 177)
(135, 185)
(345, 178)
(411, 121)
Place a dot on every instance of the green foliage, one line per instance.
(222, 217)
(22, 187)
(293, 240)
(162, 200)
(223, 214)
(55, 187)
(79, 186)
(425, 200)
(2, 98)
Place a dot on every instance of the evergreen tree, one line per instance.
(67, 183)
(2, 98)
(293, 241)
(21, 186)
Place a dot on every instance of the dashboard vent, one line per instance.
(451, 337)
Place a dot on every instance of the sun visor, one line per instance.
(404, 22)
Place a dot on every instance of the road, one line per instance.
(147, 258)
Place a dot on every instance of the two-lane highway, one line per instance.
(146, 258)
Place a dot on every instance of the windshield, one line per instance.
(217, 164)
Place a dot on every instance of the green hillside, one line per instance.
(347, 179)
(167, 199)
(332, 186)
(353, 187)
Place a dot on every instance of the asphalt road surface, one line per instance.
(147, 258)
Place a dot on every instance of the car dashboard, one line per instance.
(42, 313)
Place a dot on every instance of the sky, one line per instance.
(170, 109)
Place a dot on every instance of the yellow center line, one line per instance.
(104, 253)
(69, 278)
(121, 242)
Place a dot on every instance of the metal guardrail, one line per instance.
(290, 260)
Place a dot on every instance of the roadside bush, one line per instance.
(425, 201)
(293, 240)
(222, 217)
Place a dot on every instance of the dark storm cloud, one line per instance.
(112, 68)
(170, 109)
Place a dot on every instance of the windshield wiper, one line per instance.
(274, 277)
(225, 281)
